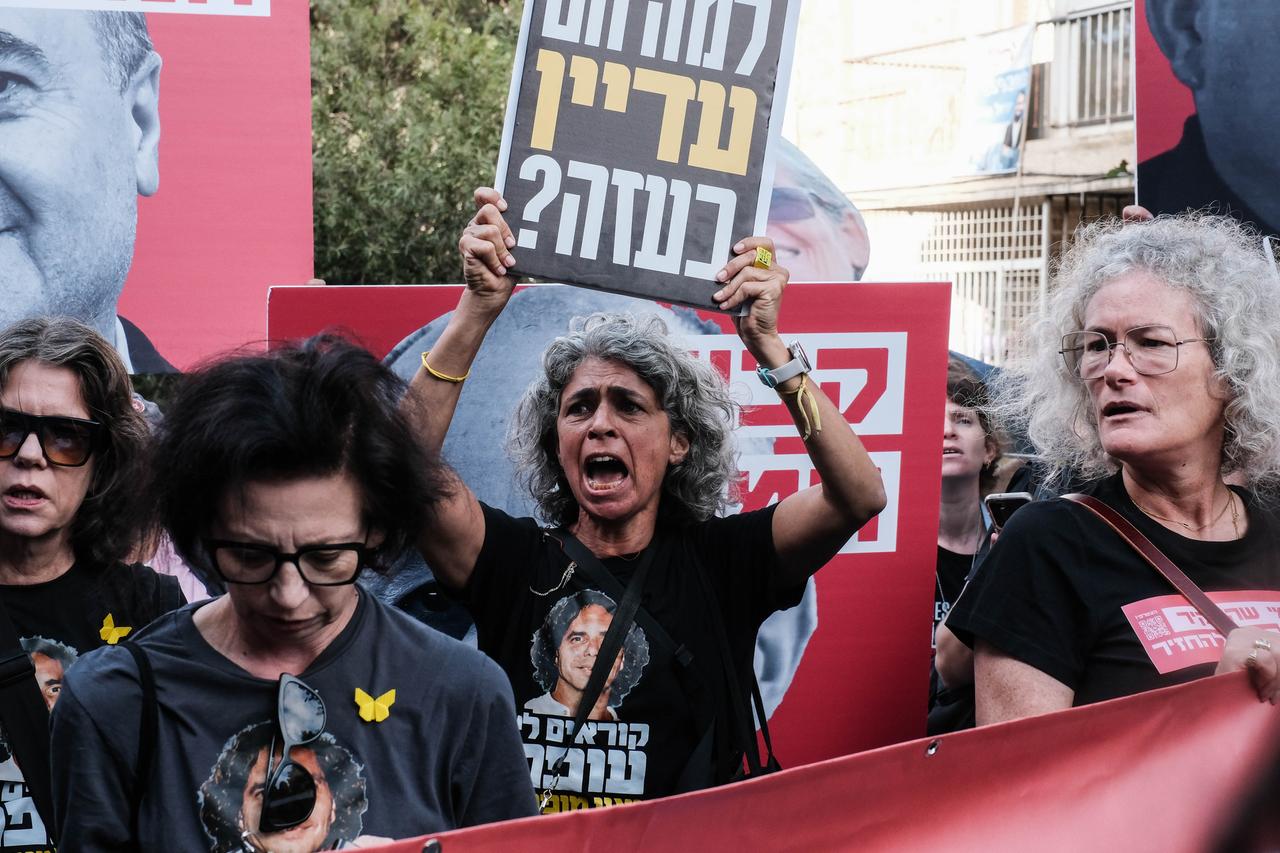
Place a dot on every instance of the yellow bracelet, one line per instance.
(443, 377)
(804, 395)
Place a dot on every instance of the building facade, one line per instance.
(910, 120)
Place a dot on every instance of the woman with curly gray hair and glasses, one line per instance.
(1166, 382)
(625, 444)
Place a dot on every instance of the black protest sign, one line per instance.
(639, 139)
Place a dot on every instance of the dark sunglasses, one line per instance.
(68, 442)
(289, 794)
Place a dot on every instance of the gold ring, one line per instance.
(1252, 660)
(764, 258)
(1264, 645)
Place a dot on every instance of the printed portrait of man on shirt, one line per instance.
(231, 798)
(564, 653)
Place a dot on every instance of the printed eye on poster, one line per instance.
(155, 168)
(640, 138)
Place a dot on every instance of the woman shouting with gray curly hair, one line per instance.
(624, 442)
(1165, 383)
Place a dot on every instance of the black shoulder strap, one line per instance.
(1158, 561)
(619, 626)
(623, 617)
(738, 705)
(697, 772)
(26, 720)
(600, 576)
(596, 572)
(148, 724)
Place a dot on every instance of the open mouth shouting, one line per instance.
(605, 472)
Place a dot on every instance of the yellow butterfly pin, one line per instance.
(111, 633)
(374, 710)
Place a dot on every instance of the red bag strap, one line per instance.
(1162, 564)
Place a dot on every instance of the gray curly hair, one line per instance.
(1236, 294)
(694, 396)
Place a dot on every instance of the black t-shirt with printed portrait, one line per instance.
(658, 711)
(57, 622)
(1055, 589)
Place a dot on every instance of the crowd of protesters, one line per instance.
(615, 634)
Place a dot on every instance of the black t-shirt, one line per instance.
(1065, 594)
(949, 581)
(537, 625)
(57, 622)
(953, 568)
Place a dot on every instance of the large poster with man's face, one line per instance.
(1208, 108)
(155, 168)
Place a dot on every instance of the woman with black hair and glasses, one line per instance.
(70, 446)
(295, 712)
(1166, 380)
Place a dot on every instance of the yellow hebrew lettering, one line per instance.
(547, 111)
(617, 85)
(706, 153)
(584, 72)
(678, 91)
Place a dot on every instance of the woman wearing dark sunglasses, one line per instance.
(70, 445)
(1165, 384)
(295, 712)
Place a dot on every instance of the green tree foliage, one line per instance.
(407, 103)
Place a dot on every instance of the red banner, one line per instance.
(1165, 770)
(850, 664)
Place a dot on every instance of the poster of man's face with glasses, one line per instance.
(158, 219)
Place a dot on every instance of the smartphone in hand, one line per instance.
(1002, 505)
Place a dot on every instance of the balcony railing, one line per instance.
(1098, 64)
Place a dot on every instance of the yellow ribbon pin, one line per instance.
(111, 633)
(375, 710)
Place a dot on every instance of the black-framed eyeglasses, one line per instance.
(325, 564)
(68, 442)
(1151, 350)
(289, 789)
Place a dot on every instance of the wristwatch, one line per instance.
(798, 364)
